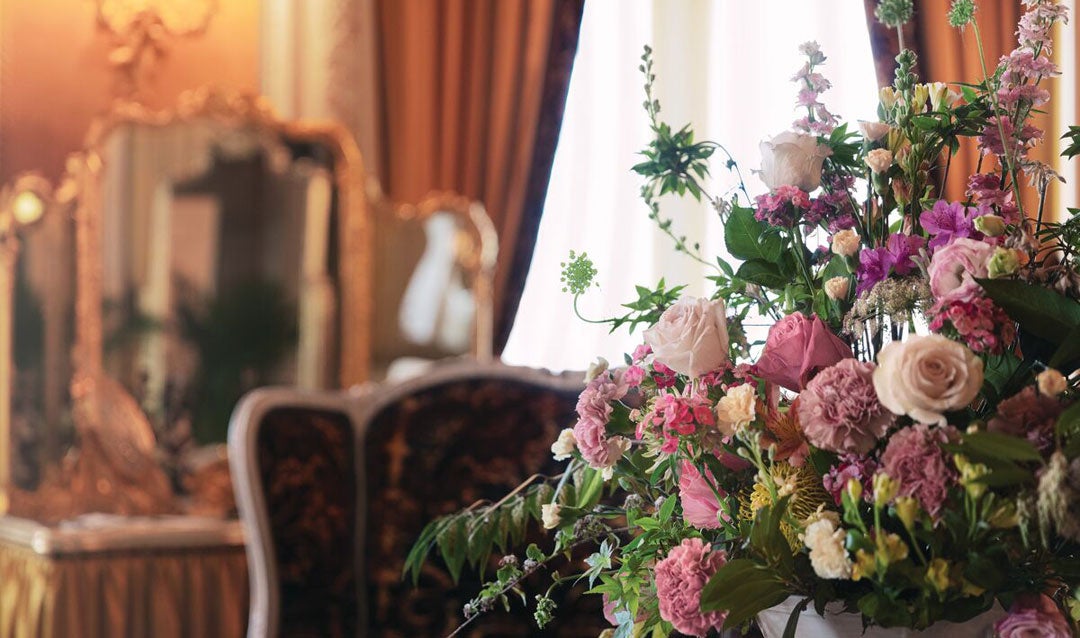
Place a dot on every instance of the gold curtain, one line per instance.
(473, 92)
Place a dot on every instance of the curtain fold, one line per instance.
(472, 99)
(946, 55)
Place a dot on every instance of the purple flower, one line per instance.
(850, 466)
(903, 248)
(874, 267)
(946, 221)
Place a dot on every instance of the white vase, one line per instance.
(840, 625)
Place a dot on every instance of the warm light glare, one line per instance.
(27, 207)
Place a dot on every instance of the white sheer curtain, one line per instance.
(722, 66)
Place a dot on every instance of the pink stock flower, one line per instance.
(850, 466)
(985, 189)
(680, 577)
(633, 376)
(839, 409)
(696, 493)
(797, 348)
(979, 323)
(1018, 141)
(915, 459)
(1033, 616)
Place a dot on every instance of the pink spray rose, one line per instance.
(700, 505)
(680, 577)
(915, 459)
(797, 348)
(1033, 616)
(691, 337)
(955, 266)
(839, 409)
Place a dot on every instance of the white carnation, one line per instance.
(827, 554)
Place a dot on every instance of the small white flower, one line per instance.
(549, 515)
(845, 243)
(596, 369)
(827, 554)
(837, 288)
(564, 446)
(736, 409)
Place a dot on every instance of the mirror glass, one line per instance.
(43, 311)
(218, 269)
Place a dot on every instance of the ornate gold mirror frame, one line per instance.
(115, 470)
(475, 250)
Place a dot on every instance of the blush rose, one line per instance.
(691, 337)
(926, 376)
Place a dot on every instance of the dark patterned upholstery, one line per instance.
(307, 464)
(439, 449)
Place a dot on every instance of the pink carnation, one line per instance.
(700, 506)
(839, 409)
(594, 412)
(1029, 415)
(1033, 616)
(914, 458)
(680, 577)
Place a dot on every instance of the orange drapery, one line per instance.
(473, 92)
(947, 55)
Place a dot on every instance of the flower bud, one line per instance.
(845, 243)
(888, 97)
(854, 489)
(885, 489)
(1004, 262)
(990, 225)
(879, 160)
(874, 131)
(907, 510)
(919, 97)
(837, 288)
(939, 93)
(1051, 382)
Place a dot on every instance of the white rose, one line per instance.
(879, 160)
(925, 376)
(596, 368)
(827, 554)
(837, 288)
(792, 159)
(549, 515)
(736, 409)
(845, 243)
(564, 446)
(691, 337)
(874, 131)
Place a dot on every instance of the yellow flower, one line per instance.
(937, 575)
(865, 565)
(804, 488)
(885, 489)
(907, 510)
(892, 549)
(854, 489)
(1004, 516)
(970, 473)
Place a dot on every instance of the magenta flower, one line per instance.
(902, 248)
(680, 577)
(674, 415)
(946, 221)
(850, 466)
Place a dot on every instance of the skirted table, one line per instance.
(106, 576)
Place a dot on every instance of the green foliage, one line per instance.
(647, 308)
(1073, 137)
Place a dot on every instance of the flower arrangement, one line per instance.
(905, 445)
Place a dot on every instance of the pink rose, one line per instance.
(691, 337)
(955, 266)
(797, 348)
(680, 577)
(1033, 616)
(700, 506)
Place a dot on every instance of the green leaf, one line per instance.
(746, 237)
(742, 588)
(1042, 312)
(668, 508)
(1001, 446)
(793, 620)
(763, 273)
(453, 546)
(1069, 350)
(589, 492)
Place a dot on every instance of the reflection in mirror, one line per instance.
(435, 262)
(43, 311)
(218, 272)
